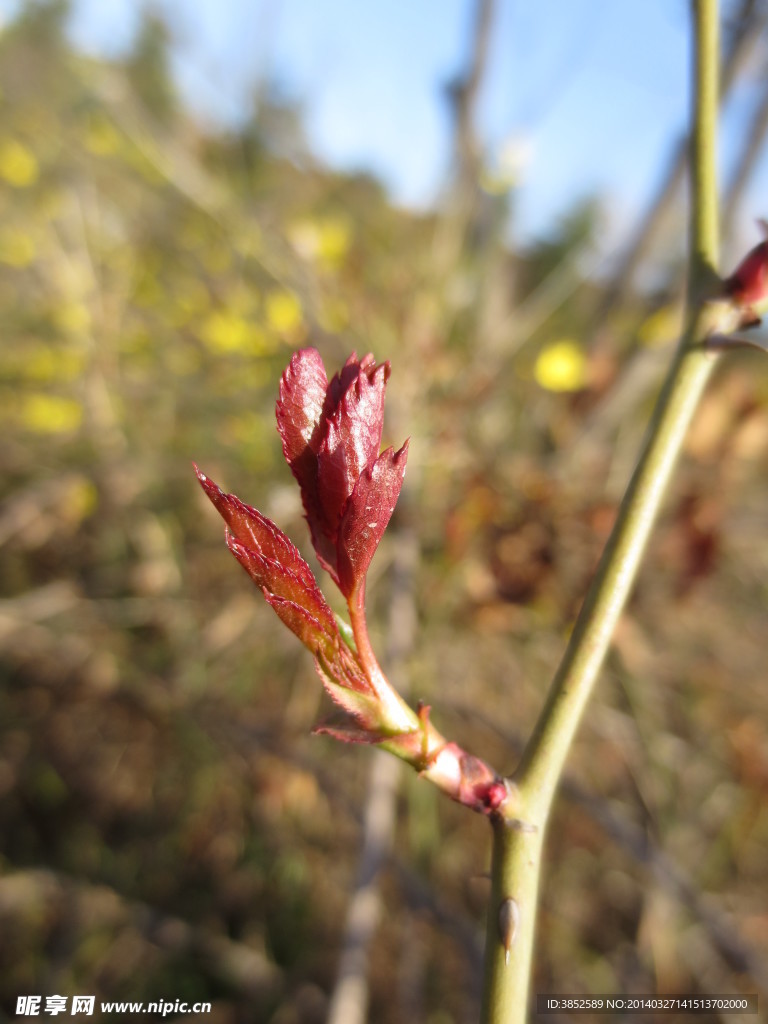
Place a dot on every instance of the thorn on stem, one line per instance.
(509, 918)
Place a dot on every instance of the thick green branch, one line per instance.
(704, 239)
(547, 750)
(517, 851)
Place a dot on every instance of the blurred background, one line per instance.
(491, 195)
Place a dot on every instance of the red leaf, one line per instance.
(300, 622)
(343, 380)
(367, 514)
(351, 440)
(330, 432)
(255, 531)
(276, 566)
(301, 421)
(303, 389)
(278, 581)
(347, 671)
(289, 586)
(331, 435)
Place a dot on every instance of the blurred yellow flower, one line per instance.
(101, 136)
(18, 164)
(53, 364)
(72, 318)
(561, 366)
(665, 325)
(80, 501)
(17, 248)
(334, 240)
(283, 311)
(50, 414)
(327, 239)
(226, 331)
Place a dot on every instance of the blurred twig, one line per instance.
(749, 23)
(519, 326)
(748, 159)
(349, 1001)
(21, 510)
(463, 183)
(463, 93)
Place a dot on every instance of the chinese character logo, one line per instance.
(28, 1006)
(83, 1004)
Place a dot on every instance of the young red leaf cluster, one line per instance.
(331, 434)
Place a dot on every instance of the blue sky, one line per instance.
(593, 91)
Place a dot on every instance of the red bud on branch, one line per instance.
(748, 284)
(331, 434)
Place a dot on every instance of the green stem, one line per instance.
(398, 715)
(704, 241)
(359, 624)
(517, 851)
(412, 736)
(542, 762)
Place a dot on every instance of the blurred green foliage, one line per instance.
(168, 828)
